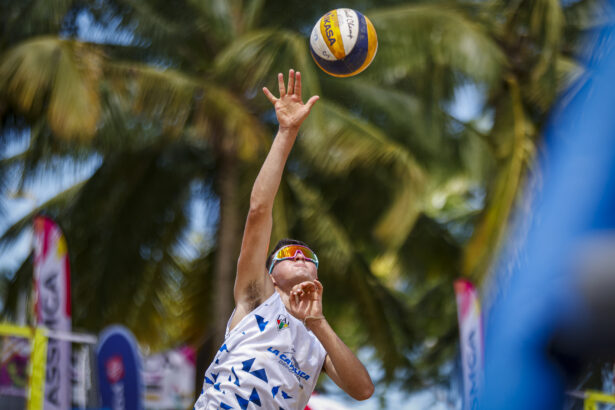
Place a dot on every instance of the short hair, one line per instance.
(282, 243)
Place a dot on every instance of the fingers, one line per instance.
(269, 96)
(291, 81)
(307, 289)
(297, 90)
(312, 101)
(281, 85)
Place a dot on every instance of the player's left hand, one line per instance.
(306, 300)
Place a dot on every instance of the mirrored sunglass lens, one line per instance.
(290, 251)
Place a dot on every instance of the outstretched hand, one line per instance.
(306, 300)
(289, 107)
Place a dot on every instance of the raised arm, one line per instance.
(251, 284)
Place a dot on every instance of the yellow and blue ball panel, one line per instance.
(343, 42)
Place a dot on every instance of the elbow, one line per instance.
(258, 206)
(258, 210)
(365, 392)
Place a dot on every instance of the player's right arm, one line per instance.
(252, 286)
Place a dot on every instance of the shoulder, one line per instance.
(256, 293)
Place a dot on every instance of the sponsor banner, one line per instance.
(52, 308)
(119, 370)
(14, 360)
(169, 379)
(471, 341)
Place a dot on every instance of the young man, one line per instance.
(277, 339)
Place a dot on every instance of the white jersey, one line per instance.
(268, 361)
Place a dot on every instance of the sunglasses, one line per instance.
(290, 251)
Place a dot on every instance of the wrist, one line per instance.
(313, 321)
(290, 131)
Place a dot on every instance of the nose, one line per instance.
(299, 255)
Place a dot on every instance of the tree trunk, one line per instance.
(224, 270)
(225, 267)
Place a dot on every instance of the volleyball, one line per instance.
(343, 42)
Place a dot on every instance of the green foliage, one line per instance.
(397, 195)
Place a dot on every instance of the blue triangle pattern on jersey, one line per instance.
(259, 373)
(208, 380)
(224, 406)
(261, 322)
(223, 348)
(247, 364)
(274, 391)
(217, 386)
(243, 403)
(236, 377)
(285, 395)
(254, 398)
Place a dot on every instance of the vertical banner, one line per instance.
(119, 370)
(52, 305)
(169, 379)
(471, 341)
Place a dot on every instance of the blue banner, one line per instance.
(119, 370)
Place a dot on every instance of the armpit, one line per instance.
(253, 295)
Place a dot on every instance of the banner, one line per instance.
(35, 380)
(14, 360)
(471, 341)
(169, 379)
(52, 307)
(119, 370)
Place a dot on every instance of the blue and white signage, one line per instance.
(119, 370)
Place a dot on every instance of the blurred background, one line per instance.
(139, 126)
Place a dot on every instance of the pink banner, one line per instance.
(52, 288)
(471, 341)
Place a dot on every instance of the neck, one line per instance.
(284, 295)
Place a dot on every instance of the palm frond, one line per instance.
(386, 321)
(120, 231)
(185, 105)
(513, 128)
(56, 78)
(19, 20)
(413, 37)
(262, 54)
(343, 142)
(52, 206)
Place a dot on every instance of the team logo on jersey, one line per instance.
(288, 361)
(282, 322)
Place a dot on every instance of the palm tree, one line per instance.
(173, 114)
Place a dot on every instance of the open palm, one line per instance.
(289, 107)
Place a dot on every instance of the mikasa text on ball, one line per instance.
(343, 42)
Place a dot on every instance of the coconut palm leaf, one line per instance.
(261, 53)
(63, 73)
(344, 142)
(341, 261)
(512, 128)
(19, 20)
(51, 207)
(413, 37)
